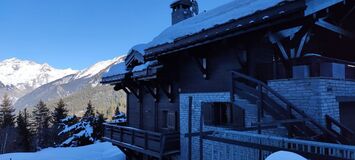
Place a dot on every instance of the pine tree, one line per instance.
(117, 110)
(98, 126)
(59, 114)
(119, 117)
(90, 111)
(24, 137)
(76, 133)
(8, 117)
(42, 118)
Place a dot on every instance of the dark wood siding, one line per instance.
(148, 112)
(133, 111)
(182, 72)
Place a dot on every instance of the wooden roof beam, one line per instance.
(337, 29)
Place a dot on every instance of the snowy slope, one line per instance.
(98, 151)
(96, 68)
(25, 74)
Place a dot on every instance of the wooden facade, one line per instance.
(196, 64)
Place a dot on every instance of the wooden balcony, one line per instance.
(149, 143)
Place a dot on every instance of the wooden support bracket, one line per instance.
(135, 92)
(202, 65)
(295, 44)
(153, 92)
(167, 92)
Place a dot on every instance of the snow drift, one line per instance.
(98, 151)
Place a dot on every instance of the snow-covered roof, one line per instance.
(141, 67)
(119, 68)
(145, 66)
(220, 15)
(136, 53)
(139, 48)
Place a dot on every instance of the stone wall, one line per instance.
(211, 150)
(316, 96)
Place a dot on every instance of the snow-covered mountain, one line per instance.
(76, 89)
(25, 74)
(19, 77)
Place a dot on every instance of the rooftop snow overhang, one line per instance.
(135, 56)
(116, 79)
(115, 74)
(234, 27)
(146, 71)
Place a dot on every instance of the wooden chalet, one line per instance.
(240, 70)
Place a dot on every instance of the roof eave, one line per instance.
(240, 26)
(115, 79)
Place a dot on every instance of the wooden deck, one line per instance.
(147, 142)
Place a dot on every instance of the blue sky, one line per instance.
(78, 33)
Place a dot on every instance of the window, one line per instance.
(169, 120)
(223, 114)
(172, 120)
(165, 119)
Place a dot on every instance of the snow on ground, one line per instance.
(97, 151)
(283, 155)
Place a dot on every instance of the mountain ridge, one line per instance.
(83, 85)
(20, 77)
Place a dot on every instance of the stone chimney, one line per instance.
(182, 9)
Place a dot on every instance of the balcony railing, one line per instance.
(143, 141)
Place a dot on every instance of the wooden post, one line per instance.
(132, 140)
(121, 134)
(190, 130)
(289, 111)
(260, 104)
(156, 115)
(145, 140)
(111, 134)
(201, 133)
(141, 125)
(162, 145)
(232, 89)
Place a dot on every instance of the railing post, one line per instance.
(132, 137)
(145, 140)
(111, 134)
(328, 122)
(162, 144)
(289, 111)
(121, 134)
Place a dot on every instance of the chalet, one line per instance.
(241, 81)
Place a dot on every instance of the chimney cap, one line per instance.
(181, 2)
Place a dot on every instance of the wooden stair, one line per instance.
(297, 122)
